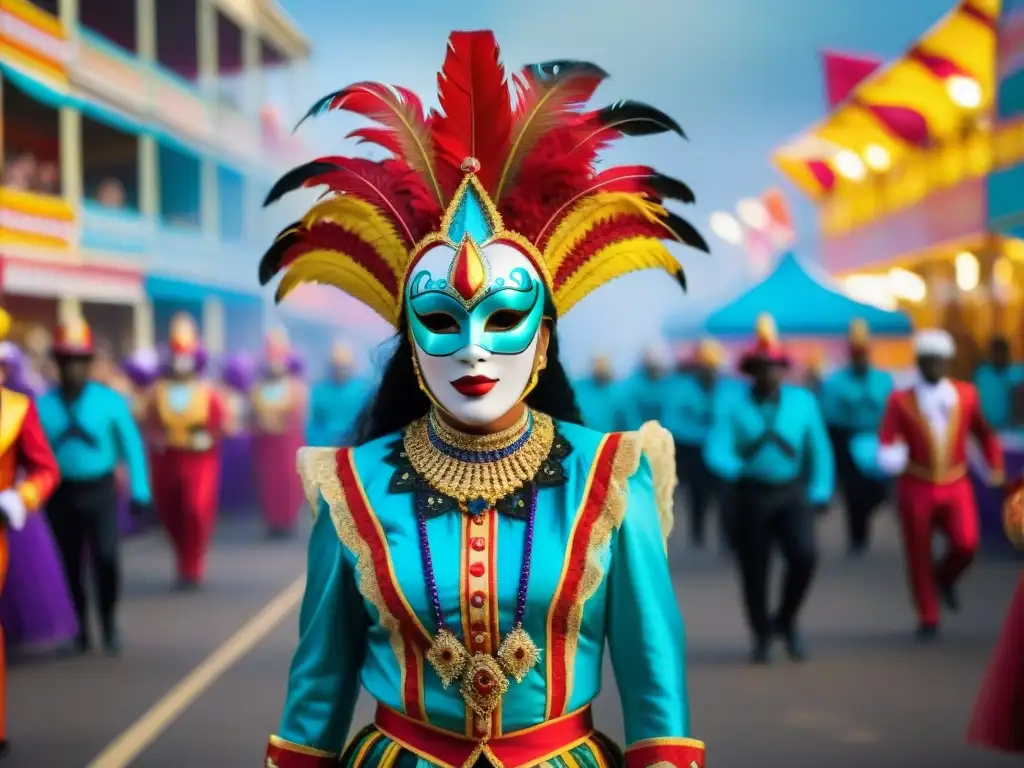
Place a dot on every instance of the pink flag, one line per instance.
(843, 73)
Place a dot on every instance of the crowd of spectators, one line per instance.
(25, 171)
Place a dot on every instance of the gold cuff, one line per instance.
(29, 495)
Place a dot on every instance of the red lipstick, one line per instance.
(474, 386)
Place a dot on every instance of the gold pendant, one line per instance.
(518, 653)
(448, 657)
(483, 684)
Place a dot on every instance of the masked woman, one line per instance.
(473, 552)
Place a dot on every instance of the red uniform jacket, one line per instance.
(23, 445)
(173, 429)
(944, 462)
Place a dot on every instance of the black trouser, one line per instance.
(768, 514)
(862, 495)
(700, 486)
(83, 513)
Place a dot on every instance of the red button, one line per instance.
(478, 544)
(477, 599)
(478, 626)
(478, 519)
(476, 569)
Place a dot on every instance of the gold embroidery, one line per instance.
(179, 424)
(660, 449)
(941, 453)
(13, 407)
(624, 465)
(308, 461)
(299, 749)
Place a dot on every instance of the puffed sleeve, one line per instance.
(823, 468)
(645, 635)
(323, 682)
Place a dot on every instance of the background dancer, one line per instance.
(600, 398)
(186, 421)
(336, 400)
(853, 401)
(923, 440)
(91, 429)
(773, 445)
(28, 475)
(279, 403)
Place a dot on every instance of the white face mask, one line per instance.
(183, 364)
(476, 356)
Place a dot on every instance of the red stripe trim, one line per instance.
(685, 753)
(558, 622)
(415, 636)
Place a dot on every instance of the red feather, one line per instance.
(331, 237)
(473, 94)
(603, 234)
(382, 137)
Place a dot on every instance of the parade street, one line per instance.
(202, 678)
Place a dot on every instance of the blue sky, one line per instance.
(740, 76)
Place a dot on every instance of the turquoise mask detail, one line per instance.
(441, 324)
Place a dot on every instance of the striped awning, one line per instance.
(903, 105)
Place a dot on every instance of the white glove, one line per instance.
(13, 508)
(202, 441)
(892, 459)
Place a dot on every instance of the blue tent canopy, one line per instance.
(801, 305)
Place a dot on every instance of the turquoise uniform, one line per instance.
(600, 573)
(333, 409)
(644, 398)
(93, 435)
(689, 408)
(774, 443)
(601, 404)
(855, 403)
(995, 389)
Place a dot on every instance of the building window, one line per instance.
(176, 48)
(110, 166)
(231, 203)
(113, 20)
(180, 187)
(31, 143)
(230, 69)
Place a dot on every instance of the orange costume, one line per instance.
(23, 447)
(186, 418)
(923, 439)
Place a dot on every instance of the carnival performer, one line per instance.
(853, 399)
(773, 445)
(923, 441)
(35, 606)
(689, 413)
(996, 380)
(185, 423)
(644, 393)
(600, 398)
(237, 478)
(279, 401)
(462, 566)
(28, 475)
(91, 429)
(336, 401)
(998, 719)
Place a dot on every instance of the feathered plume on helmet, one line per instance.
(530, 163)
(859, 336)
(766, 347)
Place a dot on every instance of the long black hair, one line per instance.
(399, 400)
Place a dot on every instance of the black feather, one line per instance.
(550, 71)
(270, 264)
(322, 105)
(297, 177)
(685, 232)
(681, 279)
(634, 118)
(668, 188)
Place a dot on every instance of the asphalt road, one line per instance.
(868, 697)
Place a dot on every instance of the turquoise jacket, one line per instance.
(600, 573)
(855, 403)
(333, 408)
(93, 435)
(644, 398)
(601, 404)
(995, 391)
(689, 409)
(774, 443)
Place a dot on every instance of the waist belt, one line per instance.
(530, 746)
(931, 475)
(769, 437)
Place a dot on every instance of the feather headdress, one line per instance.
(529, 164)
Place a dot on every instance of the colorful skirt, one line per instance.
(998, 720)
(35, 606)
(395, 741)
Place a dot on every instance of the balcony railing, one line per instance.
(114, 230)
(35, 220)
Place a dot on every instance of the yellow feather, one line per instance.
(339, 270)
(364, 221)
(615, 260)
(587, 214)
